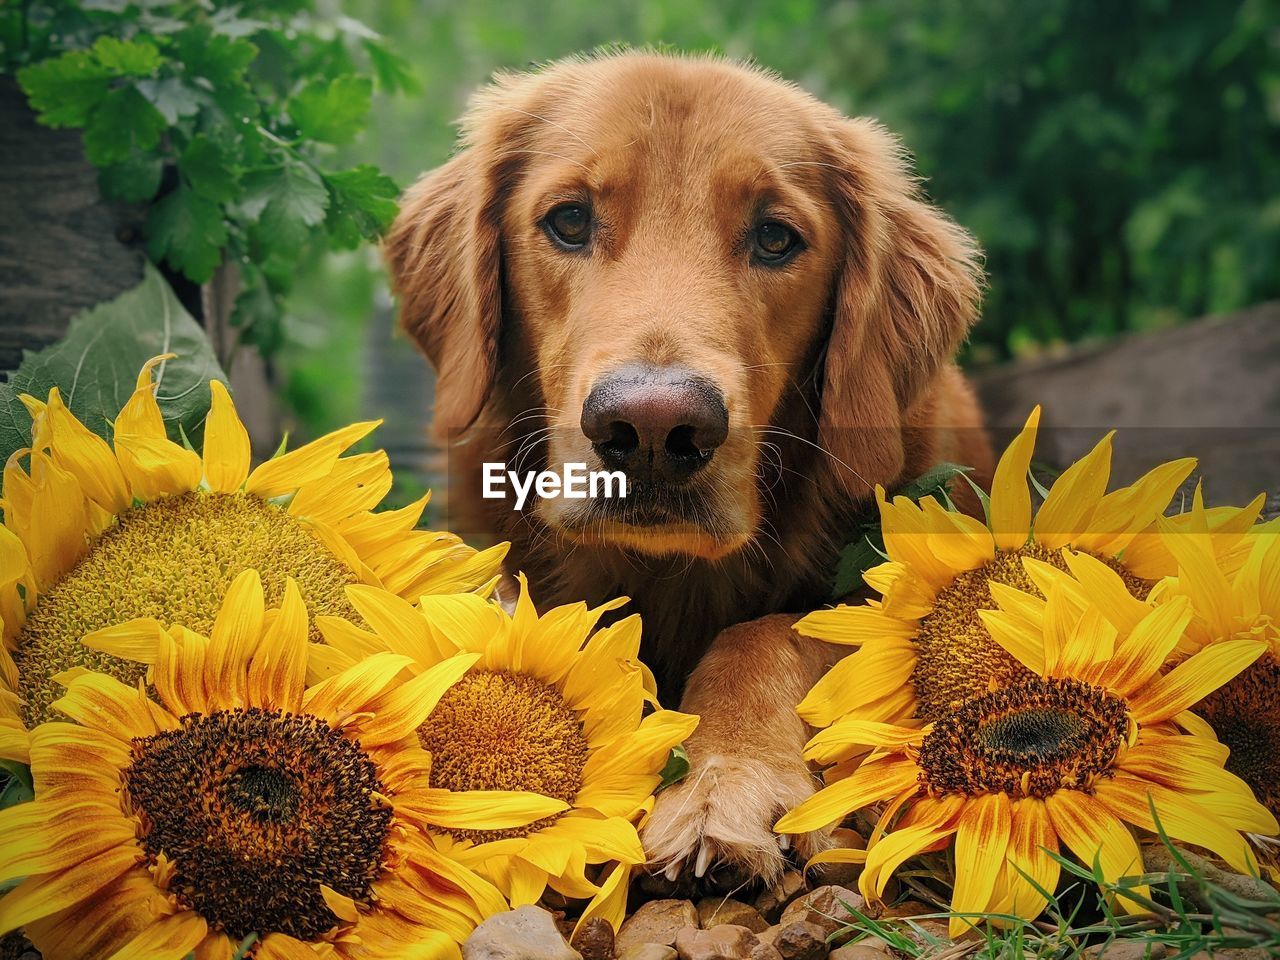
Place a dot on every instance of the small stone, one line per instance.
(648, 951)
(764, 951)
(724, 941)
(801, 940)
(840, 874)
(594, 940)
(1130, 950)
(872, 948)
(526, 934)
(825, 907)
(774, 899)
(657, 921)
(714, 910)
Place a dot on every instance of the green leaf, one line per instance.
(677, 767)
(332, 111)
(123, 122)
(15, 784)
(855, 560)
(220, 59)
(96, 363)
(362, 205)
(127, 58)
(171, 96)
(188, 232)
(208, 169)
(287, 202)
(395, 74)
(65, 90)
(937, 479)
(133, 180)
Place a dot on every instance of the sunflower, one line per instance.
(1227, 605)
(1077, 754)
(549, 708)
(240, 804)
(923, 646)
(97, 533)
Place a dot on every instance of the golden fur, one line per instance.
(836, 372)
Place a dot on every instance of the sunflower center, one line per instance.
(496, 730)
(172, 559)
(956, 657)
(1245, 714)
(256, 809)
(1030, 740)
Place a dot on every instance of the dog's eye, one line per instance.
(569, 224)
(775, 241)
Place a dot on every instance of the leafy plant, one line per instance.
(96, 365)
(223, 119)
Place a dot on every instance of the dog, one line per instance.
(692, 272)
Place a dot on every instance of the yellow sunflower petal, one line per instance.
(610, 904)
(278, 669)
(137, 640)
(1140, 655)
(351, 690)
(81, 452)
(861, 733)
(100, 702)
(933, 822)
(1194, 679)
(1124, 513)
(42, 837)
(854, 625)
(399, 712)
(1010, 495)
(1106, 590)
(141, 416)
(982, 843)
(874, 781)
(1094, 834)
(1073, 498)
(156, 467)
(310, 462)
(171, 938)
(1030, 844)
(42, 895)
(226, 443)
(866, 675)
(55, 536)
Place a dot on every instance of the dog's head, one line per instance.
(669, 250)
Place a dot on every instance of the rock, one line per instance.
(824, 907)
(1158, 859)
(764, 951)
(724, 941)
(774, 899)
(872, 948)
(714, 910)
(595, 940)
(840, 874)
(648, 951)
(658, 921)
(801, 940)
(1129, 950)
(526, 934)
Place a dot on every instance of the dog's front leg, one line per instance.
(746, 768)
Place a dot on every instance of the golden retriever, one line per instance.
(692, 272)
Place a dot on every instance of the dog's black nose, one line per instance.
(664, 420)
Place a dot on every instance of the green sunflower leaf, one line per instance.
(96, 364)
(677, 767)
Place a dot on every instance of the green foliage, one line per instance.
(96, 365)
(222, 117)
(676, 769)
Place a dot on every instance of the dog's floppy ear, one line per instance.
(906, 293)
(443, 253)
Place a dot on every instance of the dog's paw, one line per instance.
(723, 813)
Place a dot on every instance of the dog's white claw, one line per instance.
(672, 872)
(784, 842)
(704, 860)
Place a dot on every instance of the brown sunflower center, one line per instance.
(956, 657)
(1245, 713)
(496, 730)
(256, 809)
(172, 559)
(1030, 740)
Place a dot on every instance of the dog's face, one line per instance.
(670, 250)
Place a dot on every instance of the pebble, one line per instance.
(648, 951)
(594, 940)
(658, 921)
(840, 874)
(528, 933)
(801, 940)
(774, 899)
(824, 907)
(1128, 950)
(872, 948)
(714, 910)
(725, 941)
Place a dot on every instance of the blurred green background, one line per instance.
(1119, 162)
